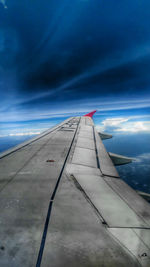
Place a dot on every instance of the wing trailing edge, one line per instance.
(146, 196)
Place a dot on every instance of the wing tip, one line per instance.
(90, 114)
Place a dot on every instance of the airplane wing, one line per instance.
(62, 203)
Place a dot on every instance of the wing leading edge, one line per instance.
(63, 203)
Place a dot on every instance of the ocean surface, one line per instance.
(136, 146)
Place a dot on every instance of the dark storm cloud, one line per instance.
(81, 43)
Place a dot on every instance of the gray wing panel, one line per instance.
(63, 204)
(78, 233)
(28, 176)
(45, 134)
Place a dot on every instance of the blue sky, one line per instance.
(65, 58)
(62, 58)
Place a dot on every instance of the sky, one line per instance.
(63, 58)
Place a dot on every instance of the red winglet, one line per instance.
(90, 114)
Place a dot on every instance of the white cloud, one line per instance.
(20, 134)
(143, 157)
(111, 123)
(134, 127)
(114, 121)
(100, 128)
(124, 125)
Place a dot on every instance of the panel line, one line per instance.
(43, 240)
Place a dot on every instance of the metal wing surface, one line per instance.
(62, 203)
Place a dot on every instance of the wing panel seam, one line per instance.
(43, 240)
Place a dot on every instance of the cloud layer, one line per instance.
(20, 134)
(125, 125)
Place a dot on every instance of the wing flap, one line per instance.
(110, 205)
(136, 241)
(106, 164)
(137, 203)
(76, 236)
